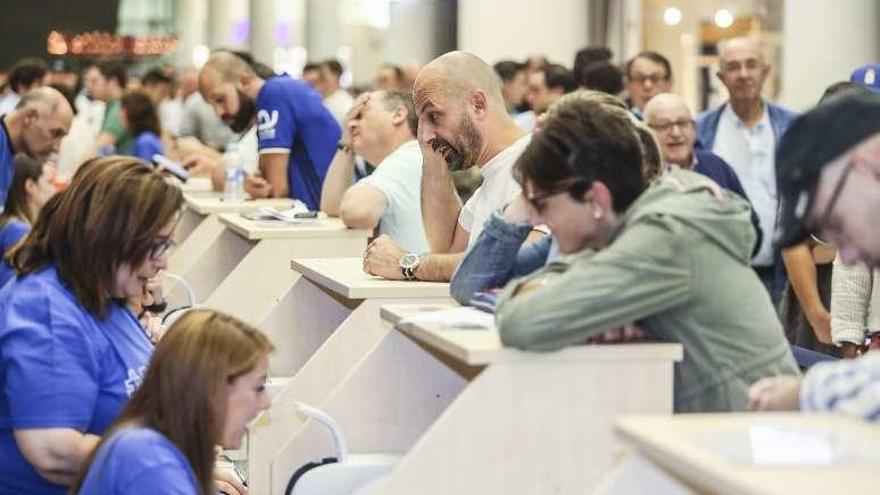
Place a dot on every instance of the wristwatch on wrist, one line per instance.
(408, 266)
(345, 148)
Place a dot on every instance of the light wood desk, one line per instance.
(199, 228)
(246, 271)
(472, 416)
(201, 204)
(327, 324)
(747, 453)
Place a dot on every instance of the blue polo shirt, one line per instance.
(147, 144)
(60, 367)
(10, 234)
(291, 118)
(139, 460)
(7, 166)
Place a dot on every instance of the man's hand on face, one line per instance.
(353, 115)
(432, 156)
(382, 258)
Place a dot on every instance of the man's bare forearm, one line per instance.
(440, 209)
(438, 267)
(340, 176)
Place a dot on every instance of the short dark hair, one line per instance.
(653, 57)
(394, 99)
(508, 69)
(333, 66)
(582, 143)
(557, 76)
(603, 76)
(114, 69)
(25, 72)
(311, 66)
(842, 88)
(140, 113)
(156, 76)
(262, 70)
(587, 56)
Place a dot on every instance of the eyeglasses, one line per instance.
(537, 199)
(835, 196)
(682, 124)
(652, 78)
(159, 249)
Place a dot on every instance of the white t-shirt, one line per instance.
(498, 189)
(399, 177)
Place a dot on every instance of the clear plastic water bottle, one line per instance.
(233, 190)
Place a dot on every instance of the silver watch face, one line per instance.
(409, 260)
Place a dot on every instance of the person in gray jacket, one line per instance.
(673, 257)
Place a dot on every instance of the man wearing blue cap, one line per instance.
(828, 175)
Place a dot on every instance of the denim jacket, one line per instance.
(497, 257)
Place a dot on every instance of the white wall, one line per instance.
(823, 42)
(505, 29)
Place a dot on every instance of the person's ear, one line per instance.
(602, 197)
(30, 115)
(30, 187)
(398, 117)
(244, 81)
(480, 103)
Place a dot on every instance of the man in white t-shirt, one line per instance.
(463, 122)
(380, 128)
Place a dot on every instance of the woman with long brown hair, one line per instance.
(32, 186)
(205, 383)
(72, 351)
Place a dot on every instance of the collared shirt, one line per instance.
(751, 154)
(498, 189)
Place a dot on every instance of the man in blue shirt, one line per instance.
(744, 131)
(35, 128)
(297, 136)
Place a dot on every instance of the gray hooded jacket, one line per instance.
(678, 265)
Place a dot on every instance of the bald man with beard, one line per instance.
(463, 122)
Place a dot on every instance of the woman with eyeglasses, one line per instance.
(73, 352)
(163, 444)
(32, 186)
(673, 256)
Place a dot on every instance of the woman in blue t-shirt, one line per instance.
(72, 351)
(141, 120)
(205, 383)
(33, 184)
